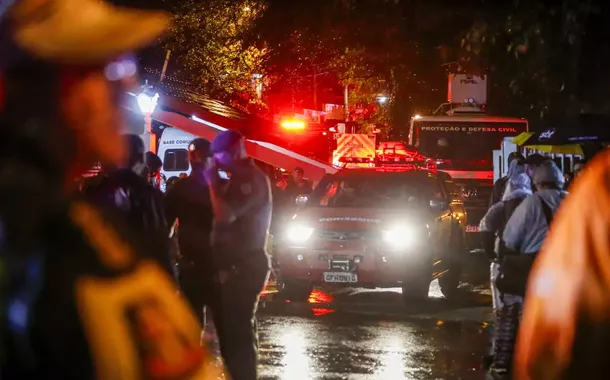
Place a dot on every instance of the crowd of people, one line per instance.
(220, 226)
(538, 269)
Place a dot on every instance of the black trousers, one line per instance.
(199, 288)
(236, 325)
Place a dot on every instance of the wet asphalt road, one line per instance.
(363, 334)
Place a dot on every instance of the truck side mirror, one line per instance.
(438, 205)
(301, 200)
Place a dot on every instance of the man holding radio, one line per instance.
(242, 215)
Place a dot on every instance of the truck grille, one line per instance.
(474, 216)
(483, 193)
(337, 235)
(477, 205)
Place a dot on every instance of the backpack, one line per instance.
(515, 268)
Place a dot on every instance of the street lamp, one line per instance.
(147, 106)
(382, 99)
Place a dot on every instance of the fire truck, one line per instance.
(460, 138)
(354, 145)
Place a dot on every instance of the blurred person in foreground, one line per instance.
(500, 185)
(565, 329)
(79, 302)
(518, 188)
(126, 191)
(242, 216)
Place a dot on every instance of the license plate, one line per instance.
(340, 277)
(473, 229)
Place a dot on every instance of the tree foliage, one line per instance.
(388, 48)
(206, 37)
(532, 50)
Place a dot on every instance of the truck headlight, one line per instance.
(299, 233)
(399, 236)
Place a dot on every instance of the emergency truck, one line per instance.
(462, 143)
(381, 226)
(354, 145)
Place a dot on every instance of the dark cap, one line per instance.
(226, 140)
(199, 148)
(299, 169)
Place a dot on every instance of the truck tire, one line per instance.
(295, 290)
(416, 288)
(450, 280)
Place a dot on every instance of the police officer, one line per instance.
(188, 201)
(125, 190)
(242, 214)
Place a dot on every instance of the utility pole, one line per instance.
(169, 52)
(346, 99)
(315, 88)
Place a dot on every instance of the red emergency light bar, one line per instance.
(408, 165)
(293, 124)
(357, 160)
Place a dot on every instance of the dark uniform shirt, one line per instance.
(189, 202)
(128, 194)
(248, 193)
(294, 189)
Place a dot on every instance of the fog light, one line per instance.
(384, 259)
(300, 257)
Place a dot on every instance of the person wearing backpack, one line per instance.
(518, 188)
(523, 237)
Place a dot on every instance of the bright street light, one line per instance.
(147, 103)
(147, 106)
(382, 99)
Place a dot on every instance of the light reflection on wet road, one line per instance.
(298, 348)
(380, 339)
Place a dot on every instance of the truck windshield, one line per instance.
(463, 140)
(390, 190)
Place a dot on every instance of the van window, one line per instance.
(176, 160)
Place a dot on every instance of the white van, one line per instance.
(173, 152)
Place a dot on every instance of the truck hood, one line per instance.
(464, 164)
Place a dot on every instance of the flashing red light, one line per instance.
(319, 297)
(293, 125)
(318, 312)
